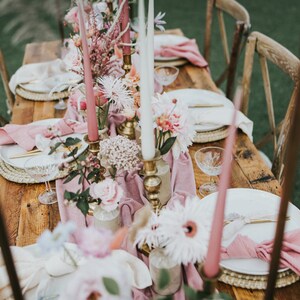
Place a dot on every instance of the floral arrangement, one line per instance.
(103, 37)
(182, 231)
(96, 273)
(120, 153)
(173, 125)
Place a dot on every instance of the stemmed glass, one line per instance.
(166, 75)
(61, 104)
(43, 169)
(209, 160)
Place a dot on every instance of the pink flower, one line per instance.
(118, 52)
(94, 242)
(99, 96)
(77, 99)
(72, 15)
(109, 192)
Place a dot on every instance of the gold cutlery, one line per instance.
(258, 220)
(205, 105)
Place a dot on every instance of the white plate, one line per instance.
(6, 151)
(247, 201)
(61, 81)
(167, 40)
(203, 97)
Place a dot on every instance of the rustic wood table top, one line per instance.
(26, 218)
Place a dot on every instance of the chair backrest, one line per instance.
(5, 80)
(241, 31)
(269, 50)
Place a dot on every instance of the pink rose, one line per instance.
(94, 242)
(109, 192)
(99, 96)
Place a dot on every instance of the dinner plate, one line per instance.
(167, 40)
(193, 97)
(251, 201)
(7, 151)
(59, 81)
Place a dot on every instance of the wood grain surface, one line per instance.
(26, 218)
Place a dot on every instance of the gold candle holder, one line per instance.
(152, 184)
(209, 284)
(127, 129)
(127, 63)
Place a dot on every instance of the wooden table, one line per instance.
(26, 218)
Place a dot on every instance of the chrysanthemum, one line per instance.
(184, 231)
(116, 91)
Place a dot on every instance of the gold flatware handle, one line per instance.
(205, 105)
(256, 221)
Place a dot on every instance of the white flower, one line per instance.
(148, 235)
(185, 231)
(116, 91)
(121, 153)
(49, 241)
(159, 22)
(90, 281)
(173, 116)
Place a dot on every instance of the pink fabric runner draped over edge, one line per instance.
(182, 184)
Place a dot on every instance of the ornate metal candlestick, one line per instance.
(209, 284)
(152, 184)
(127, 63)
(94, 148)
(127, 129)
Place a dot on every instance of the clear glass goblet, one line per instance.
(209, 160)
(43, 168)
(166, 75)
(61, 104)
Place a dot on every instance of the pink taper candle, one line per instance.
(212, 261)
(124, 24)
(88, 80)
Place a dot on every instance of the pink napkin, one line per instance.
(188, 50)
(244, 247)
(24, 135)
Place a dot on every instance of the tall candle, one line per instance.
(212, 261)
(150, 45)
(147, 132)
(124, 23)
(88, 80)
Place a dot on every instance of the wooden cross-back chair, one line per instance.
(9, 95)
(269, 50)
(241, 31)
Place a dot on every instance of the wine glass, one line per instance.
(165, 75)
(209, 160)
(43, 169)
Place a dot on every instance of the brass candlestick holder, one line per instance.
(152, 184)
(127, 129)
(127, 63)
(94, 148)
(209, 284)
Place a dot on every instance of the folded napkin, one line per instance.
(220, 116)
(24, 135)
(188, 50)
(30, 270)
(244, 247)
(39, 72)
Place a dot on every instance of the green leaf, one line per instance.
(55, 147)
(167, 145)
(73, 152)
(83, 205)
(164, 279)
(190, 293)
(71, 141)
(111, 286)
(71, 176)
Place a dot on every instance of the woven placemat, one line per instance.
(20, 176)
(211, 136)
(41, 96)
(258, 282)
